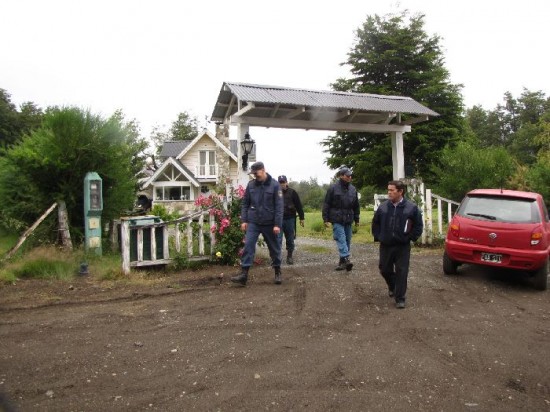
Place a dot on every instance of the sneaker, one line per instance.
(289, 261)
(400, 305)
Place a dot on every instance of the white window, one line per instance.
(207, 163)
(173, 193)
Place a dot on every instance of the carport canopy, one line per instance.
(246, 105)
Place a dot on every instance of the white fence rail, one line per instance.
(149, 248)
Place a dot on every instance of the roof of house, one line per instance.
(172, 148)
(274, 106)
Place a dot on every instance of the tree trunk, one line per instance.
(64, 234)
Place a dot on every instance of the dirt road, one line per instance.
(322, 341)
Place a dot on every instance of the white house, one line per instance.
(190, 168)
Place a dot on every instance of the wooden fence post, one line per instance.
(125, 240)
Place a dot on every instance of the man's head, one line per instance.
(258, 170)
(345, 174)
(283, 181)
(396, 188)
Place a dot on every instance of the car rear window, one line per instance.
(500, 209)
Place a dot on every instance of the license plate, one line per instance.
(491, 257)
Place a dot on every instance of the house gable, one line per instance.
(201, 142)
(172, 170)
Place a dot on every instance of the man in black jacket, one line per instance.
(261, 213)
(395, 224)
(341, 208)
(292, 205)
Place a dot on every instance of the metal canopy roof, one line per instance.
(282, 107)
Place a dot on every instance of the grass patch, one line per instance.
(317, 249)
(314, 227)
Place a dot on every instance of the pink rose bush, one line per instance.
(227, 226)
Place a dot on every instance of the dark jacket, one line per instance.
(263, 203)
(292, 204)
(341, 204)
(399, 224)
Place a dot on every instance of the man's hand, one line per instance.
(244, 226)
(276, 230)
(327, 224)
(302, 222)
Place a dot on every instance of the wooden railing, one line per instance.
(150, 242)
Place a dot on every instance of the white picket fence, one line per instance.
(426, 204)
(158, 252)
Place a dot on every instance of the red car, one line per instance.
(500, 228)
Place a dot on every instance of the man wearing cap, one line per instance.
(292, 205)
(261, 213)
(341, 208)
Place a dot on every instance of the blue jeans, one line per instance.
(289, 230)
(250, 240)
(342, 234)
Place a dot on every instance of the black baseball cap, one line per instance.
(256, 166)
(282, 179)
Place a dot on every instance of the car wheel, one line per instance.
(449, 265)
(541, 277)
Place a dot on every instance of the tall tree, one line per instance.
(15, 123)
(51, 162)
(393, 55)
(185, 127)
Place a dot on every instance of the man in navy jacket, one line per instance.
(261, 213)
(396, 223)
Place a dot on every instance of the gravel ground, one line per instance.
(321, 341)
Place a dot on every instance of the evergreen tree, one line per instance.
(393, 55)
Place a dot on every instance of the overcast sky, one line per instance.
(155, 59)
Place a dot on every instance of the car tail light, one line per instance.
(454, 229)
(536, 237)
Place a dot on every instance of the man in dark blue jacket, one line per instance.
(396, 223)
(261, 213)
(341, 208)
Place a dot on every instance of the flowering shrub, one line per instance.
(227, 226)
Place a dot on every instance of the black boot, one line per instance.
(289, 259)
(278, 276)
(242, 278)
(348, 264)
(341, 264)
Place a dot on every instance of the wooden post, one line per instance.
(153, 244)
(14, 249)
(139, 241)
(178, 238)
(63, 219)
(429, 222)
(439, 217)
(125, 240)
(211, 222)
(189, 238)
(201, 234)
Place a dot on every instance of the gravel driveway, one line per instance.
(321, 341)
